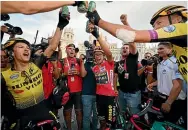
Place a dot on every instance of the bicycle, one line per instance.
(43, 125)
(143, 120)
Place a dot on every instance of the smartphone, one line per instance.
(72, 65)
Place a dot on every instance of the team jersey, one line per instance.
(74, 81)
(26, 86)
(47, 73)
(104, 75)
(177, 35)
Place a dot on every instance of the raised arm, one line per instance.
(122, 32)
(33, 7)
(57, 36)
(105, 48)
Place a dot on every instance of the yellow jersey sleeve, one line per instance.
(177, 35)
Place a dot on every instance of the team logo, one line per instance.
(164, 71)
(14, 76)
(102, 69)
(169, 28)
(31, 70)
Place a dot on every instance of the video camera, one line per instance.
(152, 60)
(89, 51)
(14, 30)
(42, 46)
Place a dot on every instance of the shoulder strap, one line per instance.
(62, 62)
(78, 60)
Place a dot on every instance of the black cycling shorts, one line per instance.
(37, 113)
(74, 99)
(106, 108)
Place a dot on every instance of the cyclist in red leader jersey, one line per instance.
(104, 74)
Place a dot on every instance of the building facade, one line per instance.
(68, 38)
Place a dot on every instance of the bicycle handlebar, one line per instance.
(148, 108)
(31, 125)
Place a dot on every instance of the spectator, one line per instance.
(71, 69)
(126, 69)
(4, 61)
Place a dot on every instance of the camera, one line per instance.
(89, 51)
(152, 60)
(14, 30)
(5, 17)
(42, 46)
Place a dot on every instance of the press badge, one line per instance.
(126, 76)
(72, 79)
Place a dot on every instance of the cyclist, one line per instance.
(104, 74)
(169, 24)
(24, 79)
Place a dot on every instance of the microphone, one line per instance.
(87, 44)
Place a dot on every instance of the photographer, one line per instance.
(169, 85)
(10, 30)
(147, 72)
(88, 90)
(33, 7)
(26, 83)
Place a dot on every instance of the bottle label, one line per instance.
(92, 6)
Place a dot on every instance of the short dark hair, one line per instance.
(167, 44)
(77, 50)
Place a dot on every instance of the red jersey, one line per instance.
(104, 75)
(74, 81)
(47, 74)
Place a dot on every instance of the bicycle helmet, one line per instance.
(168, 10)
(11, 42)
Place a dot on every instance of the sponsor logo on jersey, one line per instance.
(14, 76)
(170, 28)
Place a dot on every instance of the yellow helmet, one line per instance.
(168, 10)
(11, 42)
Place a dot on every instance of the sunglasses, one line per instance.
(147, 57)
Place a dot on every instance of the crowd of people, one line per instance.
(35, 85)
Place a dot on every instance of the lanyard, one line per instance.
(125, 65)
(68, 62)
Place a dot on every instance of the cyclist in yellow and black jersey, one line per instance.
(169, 25)
(23, 80)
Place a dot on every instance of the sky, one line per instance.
(139, 14)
